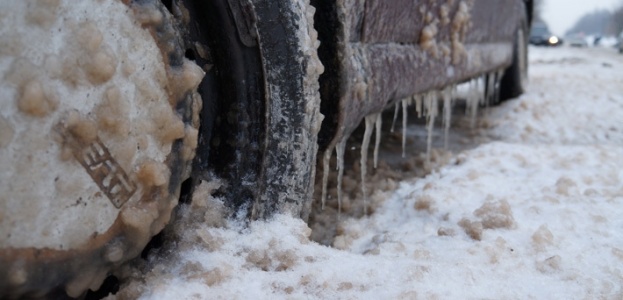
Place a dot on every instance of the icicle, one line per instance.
(480, 91)
(418, 105)
(489, 86)
(339, 149)
(466, 94)
(395, 117)
(379, 122)
(431, 113)
(473, 101)
(447, 114)
(325, 174)
(497, 85)
(405, 103)
(370, 120)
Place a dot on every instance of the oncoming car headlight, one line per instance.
(553, 40)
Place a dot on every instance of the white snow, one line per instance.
(575, 97)
(537, 213)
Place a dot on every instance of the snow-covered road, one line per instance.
(536, 213)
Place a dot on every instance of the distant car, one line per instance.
(541, 36)
(577, 40)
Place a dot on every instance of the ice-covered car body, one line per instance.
(377, 52)
(108, 122)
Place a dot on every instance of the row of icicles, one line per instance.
(426, 104)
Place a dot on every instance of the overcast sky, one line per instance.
(560, 15)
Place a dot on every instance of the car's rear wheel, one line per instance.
(515, 78)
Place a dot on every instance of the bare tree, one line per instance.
(596, 22)
(616, 22)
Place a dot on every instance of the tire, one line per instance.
(288, 44)
(515, 78)
(262, 141)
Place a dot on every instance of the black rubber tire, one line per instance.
(259, 124)
(515, 78)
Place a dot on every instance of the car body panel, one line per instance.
(402, 21)
(397, 49)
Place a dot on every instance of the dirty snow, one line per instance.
(535, 213)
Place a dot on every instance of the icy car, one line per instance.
(541, 36)
(114, 111)
(577, 40)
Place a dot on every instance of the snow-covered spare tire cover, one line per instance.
(98, 126)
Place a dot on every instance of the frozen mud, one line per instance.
(533, 213)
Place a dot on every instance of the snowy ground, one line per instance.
(535, 213)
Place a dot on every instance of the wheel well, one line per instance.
(328, 27)
(233, 102)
